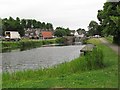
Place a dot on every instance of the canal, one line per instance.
(39, 57)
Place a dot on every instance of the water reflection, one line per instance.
(4, 50)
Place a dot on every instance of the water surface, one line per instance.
(39, 57)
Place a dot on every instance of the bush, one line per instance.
(59, 40)
(94, 59)
(30, 44)
(52, 41)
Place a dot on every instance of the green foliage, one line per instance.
(45, 42)
(81, 31)
(12, 25)
(109, 19)
(10, 45)
(93, 28)
(28, 44)
(1, 27)
(110, 39)
(60, 32)
(94, 59)
(60, 40)
(21, 24)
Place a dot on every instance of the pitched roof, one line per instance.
(46, 34)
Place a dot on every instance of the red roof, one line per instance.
(46, 34)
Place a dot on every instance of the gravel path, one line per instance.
(114, 47)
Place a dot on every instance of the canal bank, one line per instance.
(8, 46)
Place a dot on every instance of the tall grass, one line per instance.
(94, 59)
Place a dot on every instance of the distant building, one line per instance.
(38, 33)
(46, 35)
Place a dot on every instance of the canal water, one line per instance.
(39, 57)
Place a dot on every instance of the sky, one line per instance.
(71, 14)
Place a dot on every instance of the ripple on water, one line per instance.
(39, 57)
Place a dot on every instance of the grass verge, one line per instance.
(110, 39)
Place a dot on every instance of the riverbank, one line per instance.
(28, 44)
(70, 74)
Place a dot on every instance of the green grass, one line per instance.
(110, 39)
(69, 75)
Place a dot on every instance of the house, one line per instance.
(46, 35)
(32, 33)
(38, 33)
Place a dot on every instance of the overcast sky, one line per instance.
(73, 14)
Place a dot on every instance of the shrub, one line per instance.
(30, 44)
(94, 59)
(60, 40)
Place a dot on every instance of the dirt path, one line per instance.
(114, 47)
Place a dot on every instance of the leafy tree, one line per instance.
(24, 23)
(34, 24)
(21, 25)
(0, 26)
(39, 25)
(93, 28)
(68, 32)
(49, 26)
(60, 32)
(109, 19)
(29, 23)
(81, 31)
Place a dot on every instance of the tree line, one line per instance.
(60, 31)
(21, 25)
(109, 22)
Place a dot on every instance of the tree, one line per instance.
(39, 25)
(21, 25)
(93, 28)
(109, 19)
(68, 32)
(49, 26)
(43, 25)
(81, 31)
(34, 24)
(60, 32)
(29, 23)
(0, 26)
(24, 23)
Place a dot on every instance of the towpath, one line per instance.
(114, 47)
